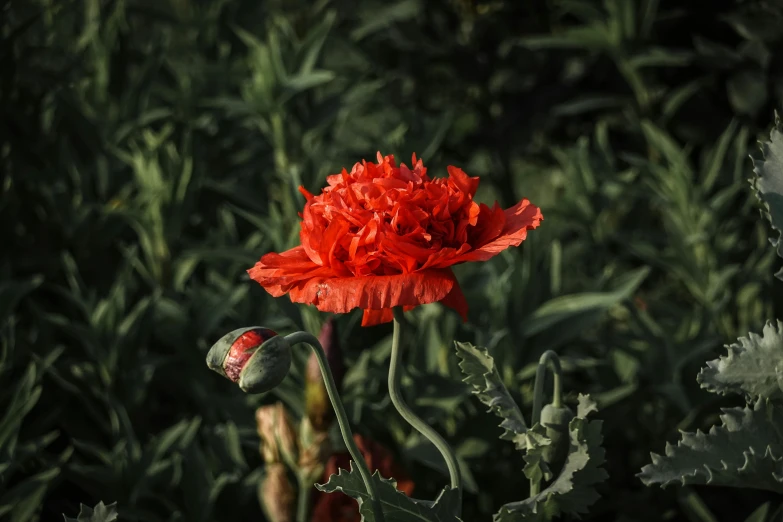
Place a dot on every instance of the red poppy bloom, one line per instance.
(339, 507)
(383, 236)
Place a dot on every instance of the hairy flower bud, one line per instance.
(278, 434)
(317, 404)
(256, 357)
(277, 494)
(556, 421)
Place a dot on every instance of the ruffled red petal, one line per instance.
(343, 294)
(277, 272)
(519, 219)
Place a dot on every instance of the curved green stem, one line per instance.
(408, 414)
(550, 359)
(342, 418)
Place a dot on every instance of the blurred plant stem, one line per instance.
(342, 420)
(408, 414)
(303, 499)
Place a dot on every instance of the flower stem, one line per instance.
(551, 360)
(303, 501)
(342, 419)
(408, 414)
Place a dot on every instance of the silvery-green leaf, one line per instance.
(100, 513)
(485, 382)
(769, 183)
(586, 405)
(751, 367)
(572, 491)
(536, 441)
(746, 450)
(397, 506)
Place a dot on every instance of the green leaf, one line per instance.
(536, 442)
(307, 80)
(760, 514)
(752, 367)
(100, 513)
(746, 450)
(768, 183)
(11, 292)
(373, 20)
(557, 311)
(315, 41)
(482, 376)
(747, 91)
(397, 506)
(572, 491)
(24, 500)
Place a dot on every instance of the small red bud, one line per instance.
(256, 358)
(243, 349)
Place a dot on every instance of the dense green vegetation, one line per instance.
(150, 153)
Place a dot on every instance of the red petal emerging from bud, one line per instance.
(243, 349)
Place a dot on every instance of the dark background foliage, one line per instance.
(150, 153)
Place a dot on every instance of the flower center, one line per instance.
(381, 219)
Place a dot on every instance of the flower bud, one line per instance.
(256, 357)
(278, 434)
(317, 404)
(277, 494)
(556, 421)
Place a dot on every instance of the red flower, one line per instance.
(383, 236)
(339, 507)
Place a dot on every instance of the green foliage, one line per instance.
(100, 513)
(752, 367)
(746, 450)
(485, 382)
(397, 506)
(572, 491)
(768, 182)
(150, 153)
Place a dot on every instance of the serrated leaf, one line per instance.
(482, 376)
(100, 513)
(397, 506)
(751, 367)
(585, 406)
(572, 491)
(746, 450)
(768, 183)
(536, 441)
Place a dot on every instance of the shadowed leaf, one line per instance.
(746, 450)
